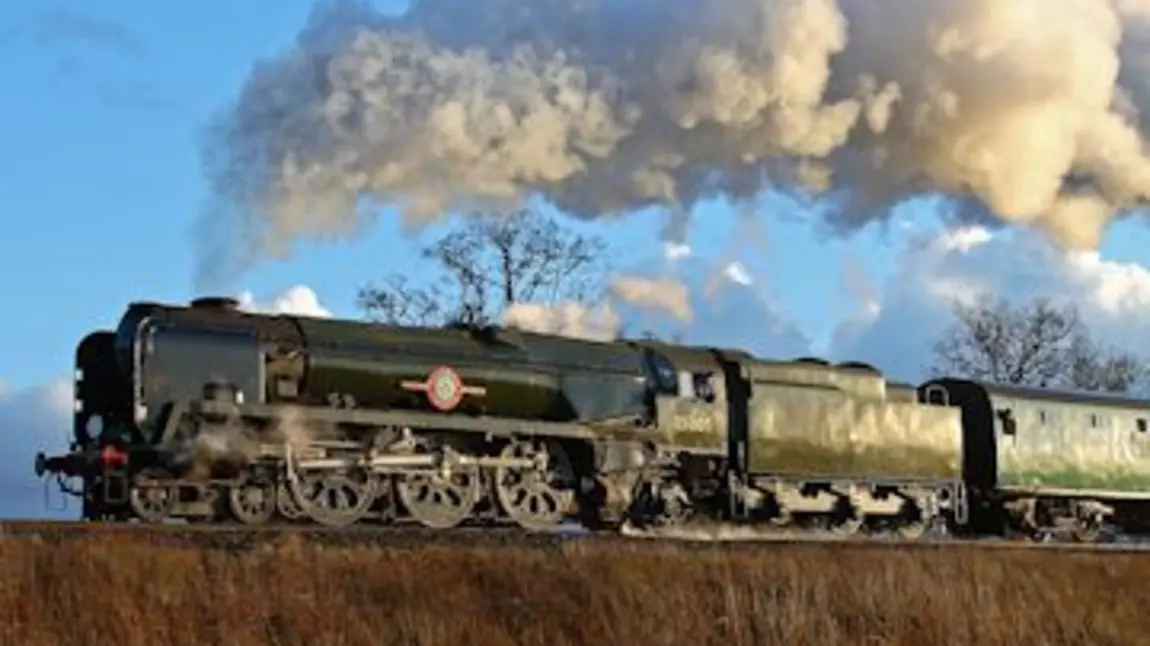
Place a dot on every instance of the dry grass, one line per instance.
(129, 593)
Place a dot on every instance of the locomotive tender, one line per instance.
(212, 414)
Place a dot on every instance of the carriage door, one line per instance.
(1132, 443)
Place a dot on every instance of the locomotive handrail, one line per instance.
(413, 419)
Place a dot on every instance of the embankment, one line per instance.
(127, 592)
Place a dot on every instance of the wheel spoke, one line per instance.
(436, 501)
(536, 498)
(332, 499)
(152, 503)
(253, 503)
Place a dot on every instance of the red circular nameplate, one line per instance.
(444, 388)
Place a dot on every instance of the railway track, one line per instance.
(246, 538)
(233, 538)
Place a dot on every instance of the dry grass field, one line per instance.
(127, 592)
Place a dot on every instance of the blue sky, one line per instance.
(100, 181)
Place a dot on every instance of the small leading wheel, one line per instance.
(536, 497)
(152, 503)
(436, 499)
(253, 503)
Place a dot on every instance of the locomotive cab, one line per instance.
(690, 396)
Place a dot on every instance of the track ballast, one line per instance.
(412, 536)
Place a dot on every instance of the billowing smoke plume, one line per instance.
(661, 297)
(666, 295)
(299, 300)
(1022, 111)
(566, 318)
(692, 300)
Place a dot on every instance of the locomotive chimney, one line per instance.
(215, 303)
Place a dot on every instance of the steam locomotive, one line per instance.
(212, 414)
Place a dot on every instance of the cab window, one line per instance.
(664, 379)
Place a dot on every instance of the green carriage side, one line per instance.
(1032, 439)
(1043, 460)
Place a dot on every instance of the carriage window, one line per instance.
(1094, 420)
(937, 395)
(1009, 426)
(1141, 422)
(1041, 417)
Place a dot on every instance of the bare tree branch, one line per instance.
(398, 302)
(490, 262)
(1093, 368)
(1036, 344)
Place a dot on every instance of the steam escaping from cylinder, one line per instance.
(237, 445)
(1026, 112)
(200, 455)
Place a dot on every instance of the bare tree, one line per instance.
(1034, 344)
(1091, 367)
(490, 262)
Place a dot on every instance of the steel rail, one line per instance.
(414, 536)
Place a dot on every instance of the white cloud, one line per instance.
(665, 295)
(32, 420)
(676, 251)
(738, 273)
(895, 330)
(685, 297)
(896, 323)
(565, 318)
(299, 300)
(728, 308)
